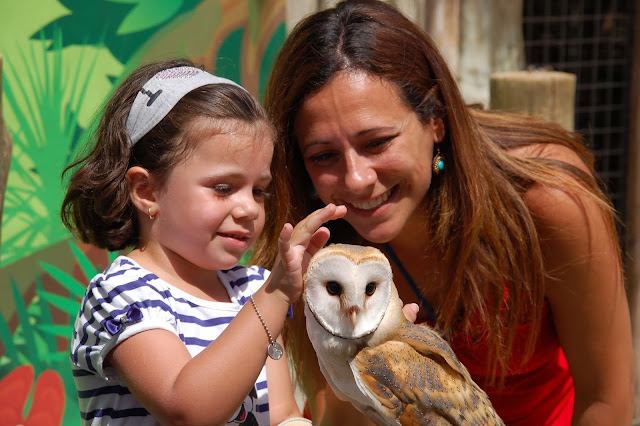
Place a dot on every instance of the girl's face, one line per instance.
(365, 149)
(211, 209)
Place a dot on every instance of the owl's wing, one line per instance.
(416, 378)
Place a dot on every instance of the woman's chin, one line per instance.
(381, 233)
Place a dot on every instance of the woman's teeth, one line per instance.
(372, 204)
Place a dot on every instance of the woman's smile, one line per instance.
(375, 202)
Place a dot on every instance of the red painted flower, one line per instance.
(47, 401)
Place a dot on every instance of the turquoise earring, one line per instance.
(438, 162)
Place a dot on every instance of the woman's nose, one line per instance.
(359, 173)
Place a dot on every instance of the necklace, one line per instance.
(425, 305)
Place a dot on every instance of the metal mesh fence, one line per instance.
(592, 39)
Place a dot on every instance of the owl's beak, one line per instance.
(352, 313)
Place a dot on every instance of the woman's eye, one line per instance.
(381, 142)
(323, 157)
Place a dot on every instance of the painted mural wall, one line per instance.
(61, 59)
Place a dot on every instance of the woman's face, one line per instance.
(365, 149)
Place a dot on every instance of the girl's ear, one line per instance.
(141, 191)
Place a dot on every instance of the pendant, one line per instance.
(275, 350)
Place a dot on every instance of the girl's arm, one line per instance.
(208, 388)
(588, 301)
(282, 403)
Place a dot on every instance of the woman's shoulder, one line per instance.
(563, 211)
(550, 151)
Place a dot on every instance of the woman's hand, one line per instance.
(410, 312)
(296, 247)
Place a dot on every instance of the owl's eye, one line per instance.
(371, 288)
(334, 288)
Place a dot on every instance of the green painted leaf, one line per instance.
(229, 61)
(7, 339)
(63, 331)
(46, 98)
(86, 266)
(56, 357)
(45, 315)
(64, 304)
(27, 328)
(270, 53)
(148, 14)
(64, 279)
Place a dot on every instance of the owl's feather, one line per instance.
(417, 379)
(395, 372)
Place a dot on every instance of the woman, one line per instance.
(495, 223)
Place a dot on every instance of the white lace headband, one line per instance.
(161, 93)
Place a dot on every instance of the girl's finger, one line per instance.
(284, 241)
(308, 226)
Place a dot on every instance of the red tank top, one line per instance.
(539, 392)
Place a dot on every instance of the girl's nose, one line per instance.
(359, 175)
(247, 207)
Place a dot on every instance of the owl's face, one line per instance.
(348, 288)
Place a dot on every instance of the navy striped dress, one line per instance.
(126, 299)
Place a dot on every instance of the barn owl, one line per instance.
(395, 372)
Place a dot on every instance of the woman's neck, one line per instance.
(417, 269)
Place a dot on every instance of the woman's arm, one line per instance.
(588, 301)
(328, 410)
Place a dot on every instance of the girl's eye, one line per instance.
(260, 193)
(223, 189)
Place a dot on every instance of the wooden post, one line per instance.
(5, 152)
(547, 94)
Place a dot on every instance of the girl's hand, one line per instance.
(297, 246)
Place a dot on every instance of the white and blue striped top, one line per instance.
(126, 299)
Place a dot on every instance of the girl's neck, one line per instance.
(200, 283)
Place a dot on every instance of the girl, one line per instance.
(175, 332)
(495, 223)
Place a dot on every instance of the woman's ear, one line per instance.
(141, 191)
(438, 128)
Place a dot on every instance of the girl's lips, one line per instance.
(237, 240)
(236, 236)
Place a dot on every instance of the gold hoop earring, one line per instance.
(438, 162)
(150, 215)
